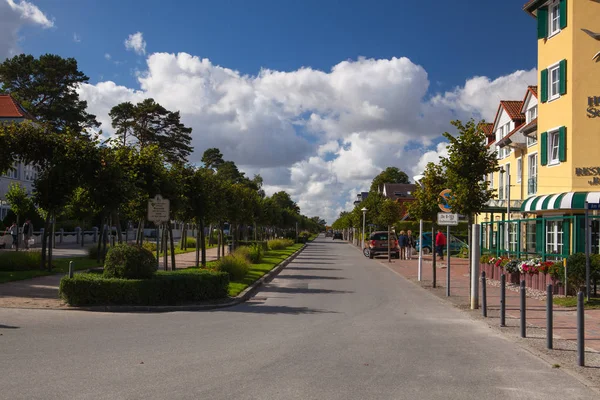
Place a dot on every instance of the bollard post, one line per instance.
(523, 310)
(580, 331)
(475, 254)
(483, 295)
(95, 234)
(549, 316)
(70, 269)
(503, 300)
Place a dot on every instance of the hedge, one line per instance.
(165, 288)
(250, 243)
(20, 260)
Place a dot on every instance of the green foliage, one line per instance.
(468, 161)
(236, 265)
(576, 270)
(243, 252)
(150, 246)
(279, 244)
(47, 88)
(212, 158)
(20, 202)
(129, 262)
(263, 244)
(389, 213)
(389, 175)
(93, 251)
(164, 288)
(427, 194)
(190, 242)
(256, 253)
(19, 260)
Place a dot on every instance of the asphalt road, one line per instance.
(332, 325)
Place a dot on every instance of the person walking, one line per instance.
(402, 242)
(13, 230)
(440, 242)
(27, 233)
(410, 244)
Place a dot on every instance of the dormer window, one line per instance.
(531, 114)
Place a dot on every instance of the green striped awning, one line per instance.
(560, 201)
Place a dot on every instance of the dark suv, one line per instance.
(338, 235)
(378, 244)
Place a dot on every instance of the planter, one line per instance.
(515, 278)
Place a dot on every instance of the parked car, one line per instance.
(378, 244)
(455, 243)
(329, 234)
(338, 235)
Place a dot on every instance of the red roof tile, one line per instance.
(533, 90)
(9, 108)
(513, 108)
(487, 129)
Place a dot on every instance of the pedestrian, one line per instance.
(14, 231)
(410, 244)
(402, 242)
(440, 242)
(27, 232)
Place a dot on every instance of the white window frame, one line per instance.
(554, 236)
(553, 95)
(553, 143)
(512, 236)
(501, 188)
(531, 114)
(519, 169)
(532, 160)
(492, 180)
(553, 16)
(531, 140)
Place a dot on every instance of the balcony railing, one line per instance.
(532, 185)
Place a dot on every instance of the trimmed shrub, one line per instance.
(20, 260)
(190, 242)
(251, 243)
(243, 252)
(280, 244)
(235, 265)
(165, 288)
(93, 251)
(129, 262)
(150, 246)
(256, 253)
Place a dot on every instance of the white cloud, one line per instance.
(76, 38)
(107, 56)
(13, 16)
(136, 43)
(320, 135)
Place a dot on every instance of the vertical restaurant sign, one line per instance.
(593, 110)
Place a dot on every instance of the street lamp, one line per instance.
(417, 180)
(503, 171)
(364, 211)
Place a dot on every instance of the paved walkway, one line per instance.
(564, 318)
(42, 292)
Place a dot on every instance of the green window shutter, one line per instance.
(563, 14)
(563, 77)
(544, 148)
(562, 144)
(544, 85)
(542, 20)
(566, 237)
(539, 236)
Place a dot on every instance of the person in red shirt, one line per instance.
(440, 243)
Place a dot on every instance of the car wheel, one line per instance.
(371, 255)
(366, 251)
(426, 250)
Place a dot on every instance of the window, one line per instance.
(531, 140)
(532, 181)
(554, 82)
(554, 19)
(519, 169)
(501, 187)
(554, 237)
(29, 173)
(13, 173)
(531, 237)
(553, 145)
(512, 236)
(531, 114)
(506, 129)
(492, 180)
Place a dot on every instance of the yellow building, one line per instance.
(552, 158)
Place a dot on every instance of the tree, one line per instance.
(47, 88)
(389, 175)
(20, 203)
(212, 158)
(149, 123)
(469, 160)
(284, 201)
(427, 198)
(389, 215)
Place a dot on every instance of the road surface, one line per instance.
(332, 325)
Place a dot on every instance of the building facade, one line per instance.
(549, 163)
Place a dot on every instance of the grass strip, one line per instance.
(571, 301)
(61, 266)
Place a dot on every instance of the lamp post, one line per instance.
(507, 194)
(417, 180)
(364, 211)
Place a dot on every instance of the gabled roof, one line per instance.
(9, 108)
(531, 91)
(532, 5)
(406, 189)
(513, 109)
(487, 129)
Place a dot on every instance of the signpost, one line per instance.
(158, 212)
(447, 219)
(443, 205)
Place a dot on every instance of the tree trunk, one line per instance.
(44, 241)
(51, 242)
(203, 243)
(197, 247)
(433, 253)
(104, 240)
(173, 265)
(18, 236)
(118, 224)
(100, 239)
(140, 232)
(219, 242)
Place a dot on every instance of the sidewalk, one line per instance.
(564, 318)
(42, 292)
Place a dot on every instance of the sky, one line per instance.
(317, 97)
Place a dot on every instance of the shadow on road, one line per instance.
(315, 258)
(8, 327)
(309, 262)
(309, 277)
(277, 289)
(261, 308)
(312, 269)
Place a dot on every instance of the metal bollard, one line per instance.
(580, 331)
(503, 300)
(483, 295)
(549, 316)
(523, 310)
(70, 269)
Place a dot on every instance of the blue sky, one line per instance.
(316, 96)
(452, 40)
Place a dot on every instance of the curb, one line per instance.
(209, 305)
